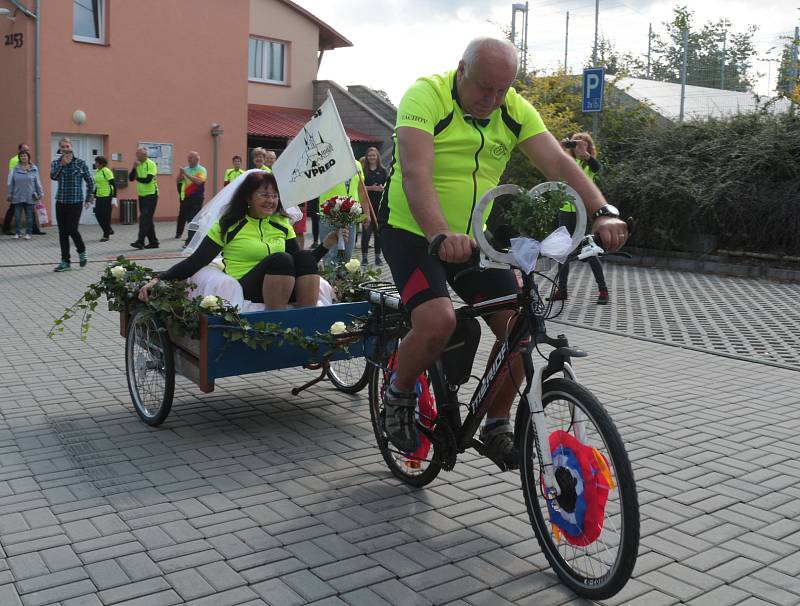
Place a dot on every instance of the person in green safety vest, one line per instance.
(262, 160)
(234, 172)
(581, 147)
(269, 159)
(104, 190)
(145, 173)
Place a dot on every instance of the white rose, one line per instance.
(352, 265)
(355, 210)
(338, 205)
(209, 302)
(118, 271)
(338, 328)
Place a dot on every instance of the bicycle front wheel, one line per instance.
(590, 531)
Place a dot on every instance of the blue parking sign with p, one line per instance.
(593, 85)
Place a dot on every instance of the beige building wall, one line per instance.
(159, 77)
(16, 83)
(274, 20)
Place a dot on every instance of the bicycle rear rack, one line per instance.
(382, 293)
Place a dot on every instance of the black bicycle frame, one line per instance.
(528, 324)
(528, 330)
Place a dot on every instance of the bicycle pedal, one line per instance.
(481, 449)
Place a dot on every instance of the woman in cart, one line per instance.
(258, 246)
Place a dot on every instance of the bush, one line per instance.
(736, 179)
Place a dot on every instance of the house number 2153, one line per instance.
(14, 40)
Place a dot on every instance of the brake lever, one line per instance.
(590, 249)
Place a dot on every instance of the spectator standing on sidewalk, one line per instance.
(312, 210)
(259, 157)
(581, 147)
(269, 160)
(145, 173)
(9, 217)
(104, 190)
(234, 172)
(374, 180)
(24, 189)
(192, 187)
(69, 172)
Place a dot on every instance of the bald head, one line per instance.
(486, 71)
(502, 54)
(141, 154)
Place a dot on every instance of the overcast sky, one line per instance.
(397, 41)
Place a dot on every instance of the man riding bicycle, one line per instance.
(454, 136)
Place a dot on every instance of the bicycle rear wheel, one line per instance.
(416, 469)
(596, 554)
(349, 375)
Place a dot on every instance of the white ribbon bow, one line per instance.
(527, 250)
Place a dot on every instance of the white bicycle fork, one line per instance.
(542, 431)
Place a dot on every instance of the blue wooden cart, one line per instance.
(155, 352)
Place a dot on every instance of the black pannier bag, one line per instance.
(459, 354)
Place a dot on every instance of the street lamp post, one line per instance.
(37, 71)
(216, 132)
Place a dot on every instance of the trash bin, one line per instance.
(127, 212)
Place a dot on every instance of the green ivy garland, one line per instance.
(120, 284)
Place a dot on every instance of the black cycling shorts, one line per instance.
(421, 277)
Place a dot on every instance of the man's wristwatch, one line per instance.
(606, 211)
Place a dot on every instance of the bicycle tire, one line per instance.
(600, 569)
(149, 368)
(413, 472)
(349, 375)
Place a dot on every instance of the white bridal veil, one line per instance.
(216, 207)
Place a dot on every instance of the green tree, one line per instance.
(616, 63)
(558, 100)
(717, 57)
(785, 85)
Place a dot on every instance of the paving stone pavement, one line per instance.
(251, 496)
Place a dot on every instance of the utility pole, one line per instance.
(595, 116)
(649, 41)
(794, 83)
(525, 42)
(722, 67)
(596, 19)
(683, 71)
(522, 46)
(566, 44)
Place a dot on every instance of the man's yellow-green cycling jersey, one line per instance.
(470, 154)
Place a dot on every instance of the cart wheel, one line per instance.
(349, 375)
(150, 367)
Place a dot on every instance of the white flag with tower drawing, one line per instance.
(318, 158)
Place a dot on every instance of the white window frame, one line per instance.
(101, 20)
(264, 58)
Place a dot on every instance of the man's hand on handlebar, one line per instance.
(613, 233)
(455, 248)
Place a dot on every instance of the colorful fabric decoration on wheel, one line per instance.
(584, 477)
